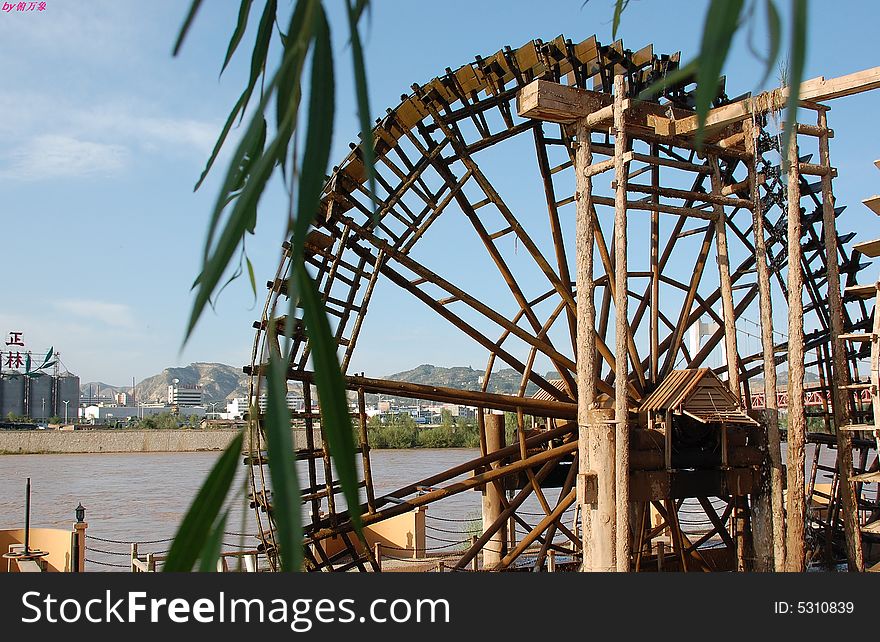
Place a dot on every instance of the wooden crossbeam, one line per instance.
(815, 90)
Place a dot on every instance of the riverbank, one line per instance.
(35, 442)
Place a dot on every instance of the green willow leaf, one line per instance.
(722, 20)
(196, 526)
(261, 47)
(361, 6)
(211, 550)
(335, 420)
(243, 211)
(286, 504)
(319, 134)
(363, 101)
(795, 70)
(240, 219)
(243, 12)
(250, 148)
(619, 8)
(258, 62)
(187, 23)
(251, 277)
(673, 78)
(221, 139)
(774, 38)
(296, 30)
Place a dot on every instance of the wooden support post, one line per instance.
(773, 480)
(621, 296)
(726, 289)
(839, 372)
(797, 427)
(655, 271)
(730, 348)
(365, 451)
(595, 438)
(493, 495)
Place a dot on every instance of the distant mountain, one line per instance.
(219, 382)
(504, 381)
(757, 383)
(101, 389)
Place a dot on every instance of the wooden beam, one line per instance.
(442, 394)
(814, 90)
(547, 100)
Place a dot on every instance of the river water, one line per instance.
(143, 496)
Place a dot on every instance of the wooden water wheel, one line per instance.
(457, 160)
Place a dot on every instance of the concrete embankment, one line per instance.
(20, 442)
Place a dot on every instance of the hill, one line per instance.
(218, 380)
(503, 381)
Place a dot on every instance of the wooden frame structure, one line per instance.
(613, 329)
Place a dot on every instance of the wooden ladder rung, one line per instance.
(868, 248)
(857, 427)
(872, 529)
(866, 478)
(862, 291)
(857, 336)
(862, 385)
(873, 204)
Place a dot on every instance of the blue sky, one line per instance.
(103, 134)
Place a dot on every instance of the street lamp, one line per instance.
(80, 513)
(66, 406)
(213, 405)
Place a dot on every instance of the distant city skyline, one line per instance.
(104, 135)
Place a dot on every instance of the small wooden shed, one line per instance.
(700, 394)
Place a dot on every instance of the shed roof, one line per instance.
(698, 393)
(546, 396)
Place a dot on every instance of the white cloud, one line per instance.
(120, 122)
(115, 315)
(52, 156)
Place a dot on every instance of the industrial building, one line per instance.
(40, 397)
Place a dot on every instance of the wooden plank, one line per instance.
(861, 291)
(868, 248)
(856, 336)
(872, 529)
(29, 566)
(819, 89)
(815, 90)
(873, 203)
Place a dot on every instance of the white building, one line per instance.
(103, 412)
(183, 395)
(295, 402)
(235, 409)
